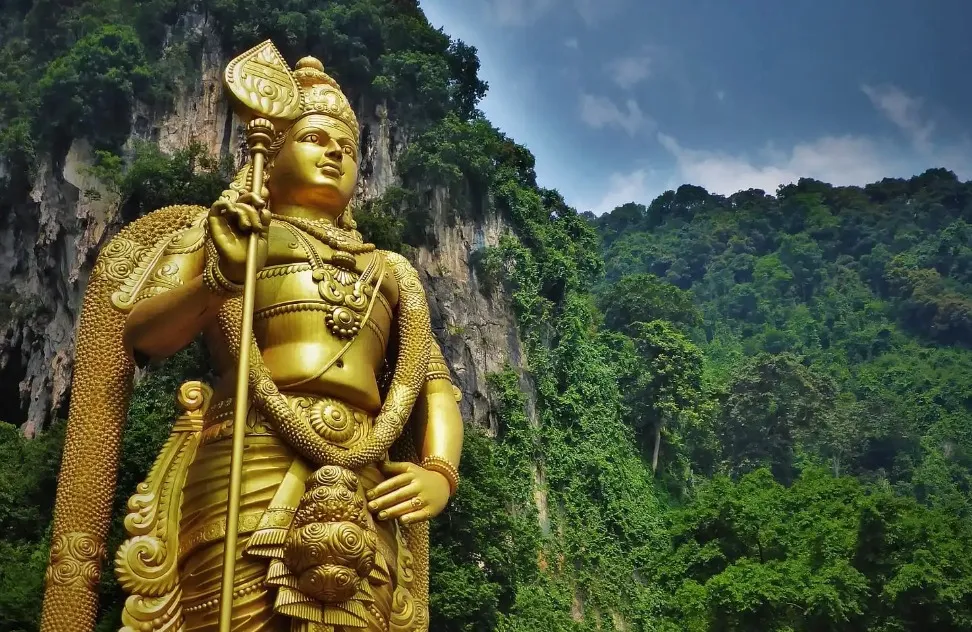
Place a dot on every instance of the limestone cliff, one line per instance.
(49, 241)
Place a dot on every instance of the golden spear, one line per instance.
(259, 134)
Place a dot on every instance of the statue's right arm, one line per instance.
(165, 322)
(161, 325)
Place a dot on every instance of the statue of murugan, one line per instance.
(349, 435)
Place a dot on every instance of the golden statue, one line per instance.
(346, 439)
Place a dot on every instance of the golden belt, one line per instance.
(335, 421)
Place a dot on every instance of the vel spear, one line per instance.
(259, 134)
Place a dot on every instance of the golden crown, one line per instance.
(264, 87)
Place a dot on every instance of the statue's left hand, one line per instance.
(411, 493)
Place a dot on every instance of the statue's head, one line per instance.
(314, 163)
(313, 160)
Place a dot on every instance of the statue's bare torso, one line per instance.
(290, 324)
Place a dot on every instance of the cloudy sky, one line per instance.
(620, 100)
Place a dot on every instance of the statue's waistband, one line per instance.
(337, 422)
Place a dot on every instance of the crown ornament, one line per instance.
(263, 86)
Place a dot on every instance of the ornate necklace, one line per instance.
(350, 295)
(327, 232)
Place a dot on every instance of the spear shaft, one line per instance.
(259, 133)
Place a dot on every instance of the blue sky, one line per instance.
(620, 100)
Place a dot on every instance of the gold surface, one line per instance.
(259, 133)
(333, 504)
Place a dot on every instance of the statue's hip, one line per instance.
(307, 541)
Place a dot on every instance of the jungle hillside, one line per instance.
(750, 412)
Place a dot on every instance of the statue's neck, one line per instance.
(308, 213)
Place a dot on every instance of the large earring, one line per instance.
(346, 219)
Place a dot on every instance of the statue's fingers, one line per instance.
(242, 218)
(390, 485)
(400, 495)
(415, 516)
(395, 467)
(217, 209)
(252, 199)
(253, 217)
(218, 227)
(397, 511)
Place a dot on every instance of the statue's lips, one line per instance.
(330, 170)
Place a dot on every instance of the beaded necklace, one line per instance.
(351, 295)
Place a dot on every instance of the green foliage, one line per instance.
(376, 49)
(90, 91)
(773, 405)
(78, 70)
(418, 83)
(28, 477)
(644, 297)
(487, 542)
(395, 221)
(865, 287)
(660, 378)
(489, 265)
(834, 342)
(825, 553)
(455, 154)
(153, 179)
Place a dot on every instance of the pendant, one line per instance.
(343, 322)
(343, 259)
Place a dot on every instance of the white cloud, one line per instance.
(594, 11)
(905, 112)
(639, 186)
(843, 160)
(599, 112)
(627, 72)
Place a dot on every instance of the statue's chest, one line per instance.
(345, 293)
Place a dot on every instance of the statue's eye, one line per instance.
(348, 150)
(312, 138)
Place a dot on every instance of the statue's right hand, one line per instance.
(231, 221)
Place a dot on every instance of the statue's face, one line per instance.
(316, 167)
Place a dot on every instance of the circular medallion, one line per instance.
(333, 422)
(343, 322)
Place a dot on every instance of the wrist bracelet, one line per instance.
(213, 277)
(443, 467)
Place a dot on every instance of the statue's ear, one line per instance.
(262, 85)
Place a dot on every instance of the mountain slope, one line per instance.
(834, 327)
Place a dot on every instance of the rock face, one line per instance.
(48, 244)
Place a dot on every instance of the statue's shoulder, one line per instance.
(397, 262)
(163, 224)
(152, 254)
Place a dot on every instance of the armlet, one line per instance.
(438, 369)
(166, 265)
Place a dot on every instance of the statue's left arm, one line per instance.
(438, 429)
(416, 492)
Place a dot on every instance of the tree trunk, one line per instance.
(654, 455)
